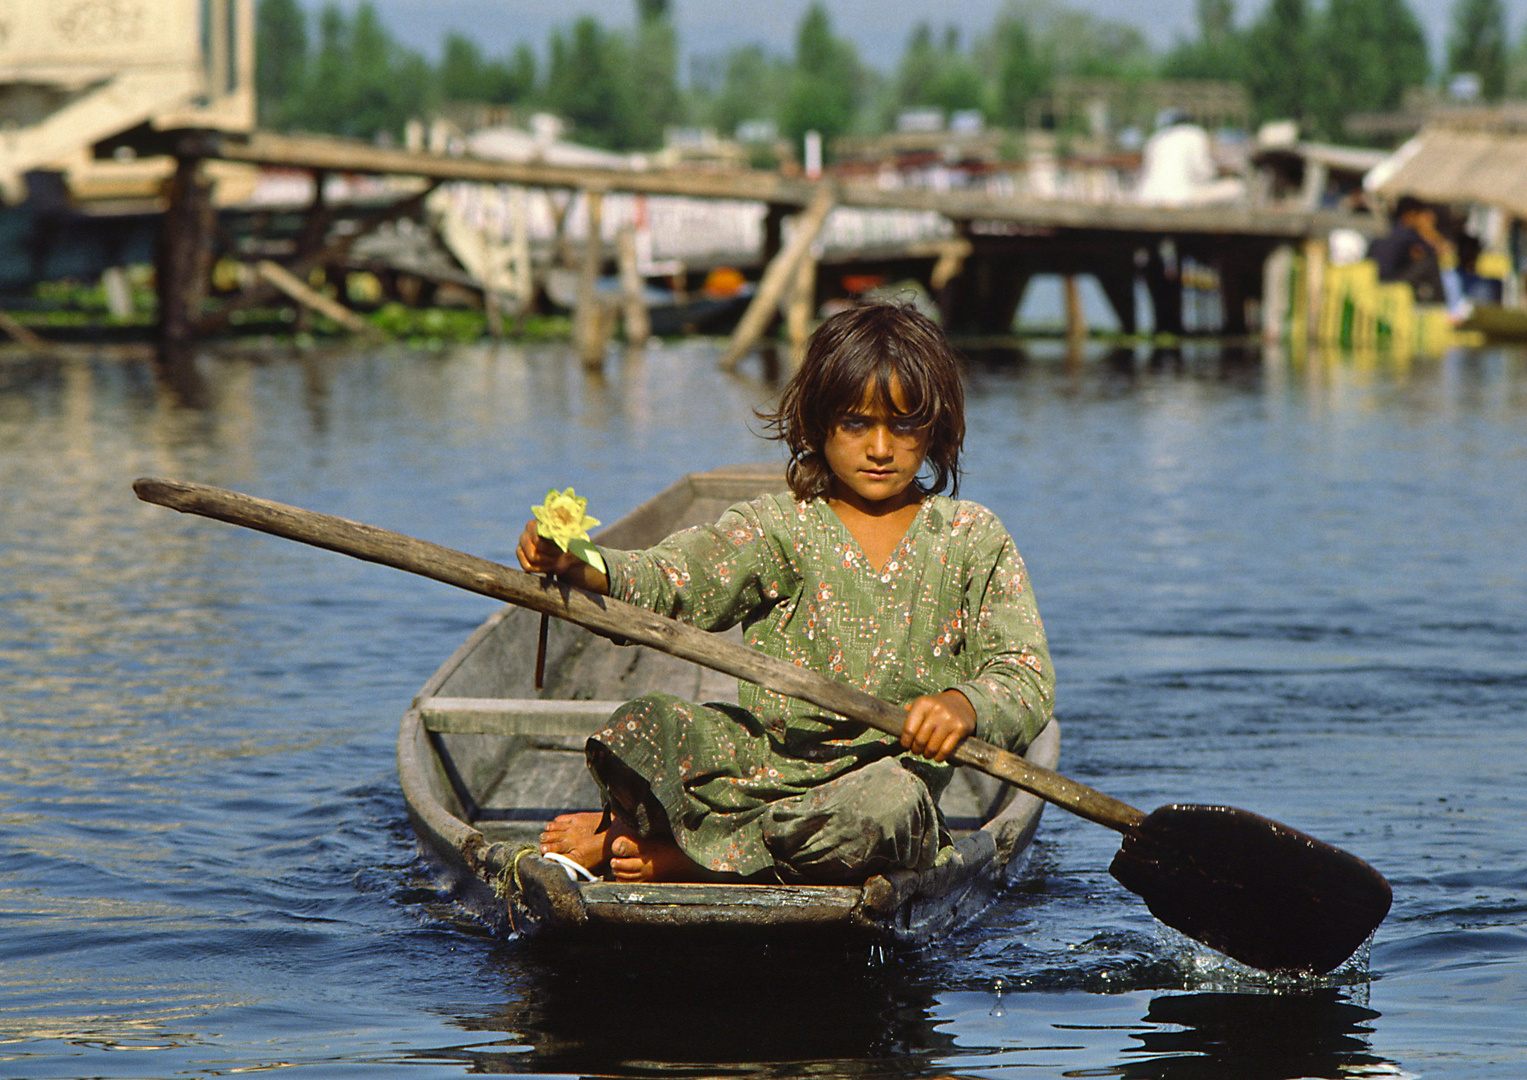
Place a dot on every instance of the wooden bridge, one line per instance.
(977, 276)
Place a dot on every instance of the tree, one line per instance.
(824, 96)
(654, 71)
(1477, 45)
(1279, 73)
(1368, 52)
(1216, 21)
(585, 83)
(1018, 69)
(360, 82)
(1218, 51)
(744, 84)
(465, 74)
(281, 57)
(938, 75)
(918, 67)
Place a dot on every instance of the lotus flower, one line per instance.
(563, 520)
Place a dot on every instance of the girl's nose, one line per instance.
(880, 441)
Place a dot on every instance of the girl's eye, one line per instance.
(905, 427)
(854, 423)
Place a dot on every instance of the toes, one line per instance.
(623, 847)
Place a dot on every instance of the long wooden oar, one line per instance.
(1260, 892)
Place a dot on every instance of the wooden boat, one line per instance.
(669, 314)
(1497, 323)
(484, 759)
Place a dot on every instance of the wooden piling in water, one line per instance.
(183, 261)
(591, 326)
(638, 322)
(800, 305)
(778, 276)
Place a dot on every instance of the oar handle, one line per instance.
(613, 618)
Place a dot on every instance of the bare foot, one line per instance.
(579, 838)
(653, 859)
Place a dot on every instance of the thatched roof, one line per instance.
(1457, 164)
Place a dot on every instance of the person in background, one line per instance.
(1414, 251)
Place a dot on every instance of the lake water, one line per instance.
(1294, 586)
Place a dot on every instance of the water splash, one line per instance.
(1204, 968)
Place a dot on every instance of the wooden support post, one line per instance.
(951, 260)
(311, 298)
(1239, 281)
(638, 324)
(778, 276)
(1076, 318)
(1118, 284)
(183, 261)
(589, 323)
(1165, 286)
(1315, 284)
(318, 219)
(800, 304)
(774, 231)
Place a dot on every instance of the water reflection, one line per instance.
(1254, 1037)
(735, 1008)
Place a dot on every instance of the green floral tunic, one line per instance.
(951, 608)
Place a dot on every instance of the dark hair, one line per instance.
(869, 345)
(1408, 204)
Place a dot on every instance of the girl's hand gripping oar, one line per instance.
(1256, 890)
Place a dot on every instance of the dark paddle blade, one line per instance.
(1259, 892)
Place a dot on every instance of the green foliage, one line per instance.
(1280, 68)
(746, 84)
(940, 76)
(653, 73)
(465, 74)
(824, 95)
(1477, 44)
(1315, 61)
(1019, 71)
(584, 83)
(1369, 52)
(281, 59)
(358, 81)
(1217, 53)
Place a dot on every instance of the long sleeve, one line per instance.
(1012, 680)
(711, 576)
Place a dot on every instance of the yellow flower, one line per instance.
(563, 519)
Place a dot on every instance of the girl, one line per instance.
(866, 572)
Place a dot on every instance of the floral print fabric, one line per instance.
(951, 608)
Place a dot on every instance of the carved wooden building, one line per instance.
(76, 72)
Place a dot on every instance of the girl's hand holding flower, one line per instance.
(556, 542)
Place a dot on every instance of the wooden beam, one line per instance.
(342, 155)
(311, 298)
(515, 716)
(312, 152)
(261, 292)
(23, 335)
(778, 276)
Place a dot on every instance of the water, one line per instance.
(1296, 587)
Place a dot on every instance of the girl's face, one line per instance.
(875, 453)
